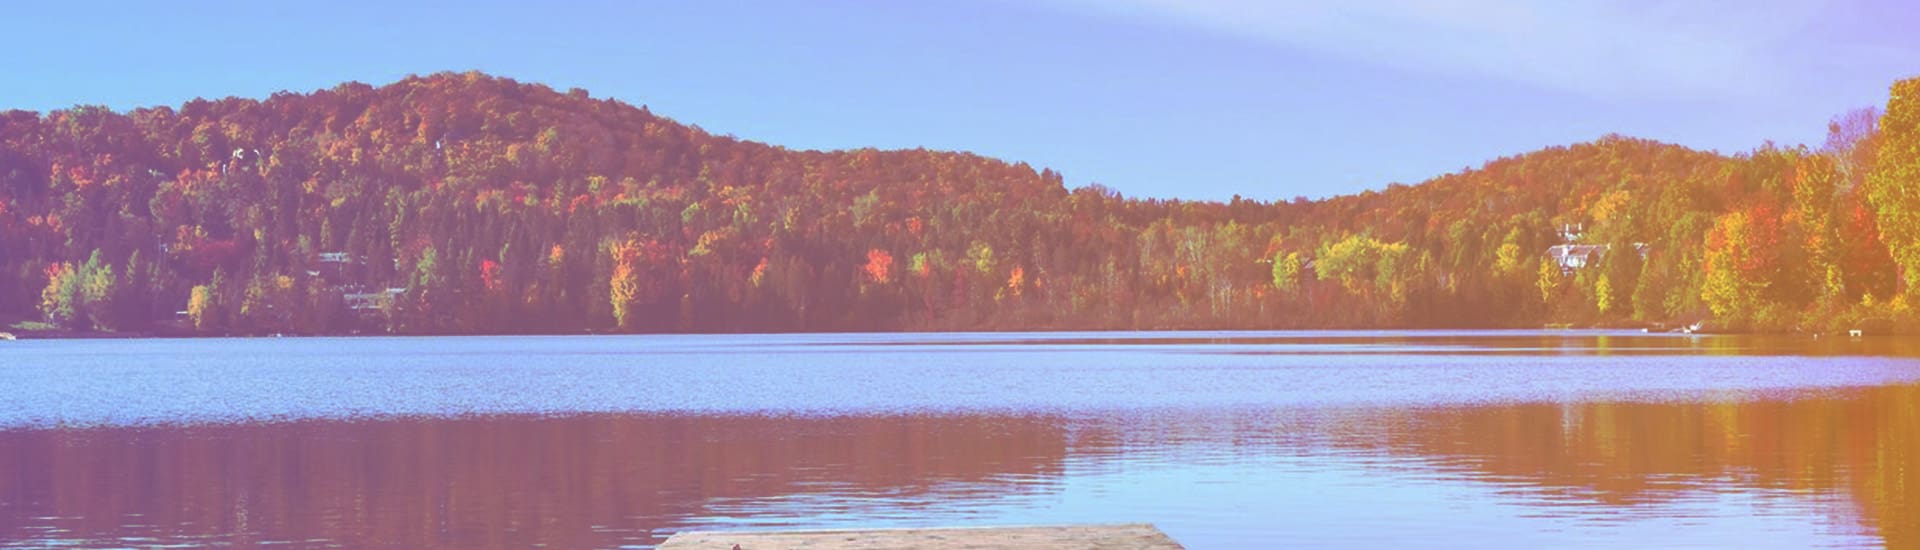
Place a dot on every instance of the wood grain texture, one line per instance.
(1138, 536)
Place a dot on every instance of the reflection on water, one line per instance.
(495, 482)
(1822, 469)
(1846, 456)
(1221, 440)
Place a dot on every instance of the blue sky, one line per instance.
(1170, 98)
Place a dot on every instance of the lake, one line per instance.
(1222, 439)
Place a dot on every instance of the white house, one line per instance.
(1575, 257)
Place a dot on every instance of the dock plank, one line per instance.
(1133, 536)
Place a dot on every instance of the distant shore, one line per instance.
(17, 333)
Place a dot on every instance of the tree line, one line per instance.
(466, 203)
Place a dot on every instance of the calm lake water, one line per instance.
(1223, 440)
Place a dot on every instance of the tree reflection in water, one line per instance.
(610, 480)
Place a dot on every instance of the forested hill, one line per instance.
(470, 203)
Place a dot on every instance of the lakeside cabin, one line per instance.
(365, 303)
(1575, 257)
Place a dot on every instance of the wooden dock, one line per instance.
(1133, 536)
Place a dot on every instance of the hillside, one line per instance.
(469, 203)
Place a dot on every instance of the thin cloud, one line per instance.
(1604, 49)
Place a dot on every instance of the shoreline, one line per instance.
(63, 334)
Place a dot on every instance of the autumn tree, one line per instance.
(1894, 185)
(99, 293)
(1286, 271)
(879, 266)
(1548, 280)
(637, 279)
(624, 286)
(1736, 266)
(1619, 277)
(60, 300)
